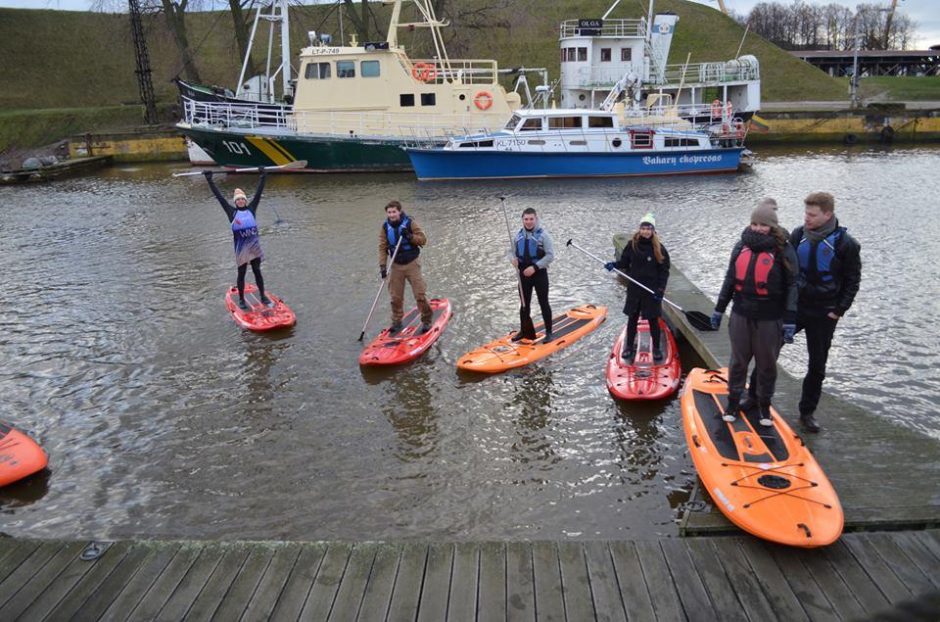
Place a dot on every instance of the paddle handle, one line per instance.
(631, 279)
(379, 293)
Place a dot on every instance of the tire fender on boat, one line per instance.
(425, 72)
(483, 100)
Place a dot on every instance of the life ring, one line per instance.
(483, 100)
(425, 72)
(716, 109)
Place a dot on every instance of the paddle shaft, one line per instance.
(297, 164)
(509, 233)
(379, 293)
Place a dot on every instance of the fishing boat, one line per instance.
(354, 106)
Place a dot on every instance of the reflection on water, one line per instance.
(162, 418)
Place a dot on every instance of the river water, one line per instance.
(163, 419)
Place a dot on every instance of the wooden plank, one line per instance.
(215, 589)
(889, 584)
(802, 582)
(407, 590)
(192, 583)
(575, 581)
(866, 592)
(918, 550)
(435, 591)
(13, 553)
(352, 586)
(662, 590)
(491, 593)
(520, 583)
(43, 578)
(705, 560)
(130, 582)
(27, 569)
(298, 585)
(161, 589)
(843, 601)
(774, 585)
(272, 583)
(99, 570)
(246, 582)
(549, 599)
(462, 606)
(605, 592)
(633, 589)
(323, 592)
(691, 590)
(728, 553)
(378, 594)
(927, 541)
(902, 565)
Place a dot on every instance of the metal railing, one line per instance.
(609, 28)
(433, 71)
(711, 73)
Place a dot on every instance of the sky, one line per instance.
(925, 12)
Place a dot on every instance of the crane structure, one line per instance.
(144, 83)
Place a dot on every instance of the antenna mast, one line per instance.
(143, 64)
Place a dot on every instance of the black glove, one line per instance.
(383, 272)
(261, 170)
(208, 174)
(609, 266)
(716, 320)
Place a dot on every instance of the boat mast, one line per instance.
(280, 15)
(285, 50)
(392, 37)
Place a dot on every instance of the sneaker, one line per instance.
(547, 338)
(658, 354)
(809, 422)
(731, 411)
(395, 327)
(266, 301)
(242, 304)
(425, 327)
(765, 419)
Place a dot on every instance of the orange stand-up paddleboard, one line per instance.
(20, 456)
(407, 344)
(259, 317)
(644, 378)
(504, 353)
(762, 478)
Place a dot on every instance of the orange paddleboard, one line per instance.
(20, 456)
(504, 353)
(763, 479)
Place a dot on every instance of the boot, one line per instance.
(395, 327)
(517, 337)
(749, 402)
(425, 327)
(242, 304)
(658, 354)
(548, 337)
(629, 352)
(731, 410)
(266, 301)
(809, 422)
(765, 419)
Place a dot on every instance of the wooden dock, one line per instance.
(722, 578)
(886, 476)
(66, 168)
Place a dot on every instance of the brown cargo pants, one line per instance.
(397, 276)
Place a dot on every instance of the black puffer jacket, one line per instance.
(638, 262)
(780, 301)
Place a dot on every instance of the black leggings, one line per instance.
(538, 281)
(632, 320)
(259, 281)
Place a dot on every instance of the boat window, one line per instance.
(582, 54)
(317, 71)
(482, 143)
(605, 55)
(681, 142)
(558, 123)
(428, 99)
(577, 143)
(626, 54)
(536, 142)
(369, 68)
(600, 121)
(406, 99)
(513, 122)
(345, 69)
(531, 125)
(641, 140)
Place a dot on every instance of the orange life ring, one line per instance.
(716, 109)
(483, 100)
(424, 72)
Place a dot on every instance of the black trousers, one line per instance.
(259, 281)
(819, 332)
(651, 310)
(538, 282)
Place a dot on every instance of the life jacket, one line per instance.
(752, 272)
(244, 225)
(816, 259)
(407, 251)
(529, 249)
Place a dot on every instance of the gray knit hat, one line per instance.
(765, 215)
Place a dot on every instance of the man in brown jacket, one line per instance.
(398, 226)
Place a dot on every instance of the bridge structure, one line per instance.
(838, 63)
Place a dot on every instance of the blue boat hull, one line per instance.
(431, 164)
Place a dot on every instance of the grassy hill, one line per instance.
(56, 59)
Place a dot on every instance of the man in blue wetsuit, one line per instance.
(829, 278)
(245, 233)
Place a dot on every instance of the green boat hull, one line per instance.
(323, 154)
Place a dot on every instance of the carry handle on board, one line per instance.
(696, 318)
(296, 164)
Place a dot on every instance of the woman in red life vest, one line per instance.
(761, 280)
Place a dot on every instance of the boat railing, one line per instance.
(710, 73)
(227, 114)
(463, 71)
(607, 28)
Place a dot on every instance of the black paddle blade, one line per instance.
(527, 327)
(699, 320)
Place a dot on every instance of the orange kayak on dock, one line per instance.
(503, 354)
(763, 479)
(643, 378)
(20, 456)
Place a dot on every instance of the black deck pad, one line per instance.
(710, 413)
(769, 436)
(561, 326)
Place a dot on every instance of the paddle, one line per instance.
(527, 328)
(697, 319)
(296, 164)
(379, 293)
